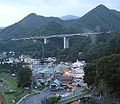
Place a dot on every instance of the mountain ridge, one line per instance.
(99, 19)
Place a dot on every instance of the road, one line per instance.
(36, 99)
(45, 93)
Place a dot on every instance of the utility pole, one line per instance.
(43, 54)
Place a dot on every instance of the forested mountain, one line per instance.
(31, 24)
(99, 19)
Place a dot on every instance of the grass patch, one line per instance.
(10, 98)
(40, 87)
(9, 82)
(12, 92)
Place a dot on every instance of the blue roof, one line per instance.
(56, 81)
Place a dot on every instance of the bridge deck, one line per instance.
(73, 97)
(53, 36)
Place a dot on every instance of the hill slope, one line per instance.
(30, 24)
(99, 19)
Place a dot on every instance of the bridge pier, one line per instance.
(66, 42)
(45, 41)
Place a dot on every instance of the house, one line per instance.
(50, 59)
(47, 71)
(78, 73)
(66, 79)
(40, 82)
(36, 68)
(60, 68)
(55, 85)
(2, 55)
(42, 79)
(78, 64)
(35, 61)
(78, 69)
(25, 58)
(10, 60)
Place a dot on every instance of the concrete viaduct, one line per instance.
(64, 36)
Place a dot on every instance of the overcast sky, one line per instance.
(12, 11)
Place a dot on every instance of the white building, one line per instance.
(51, 59)
(78, 64)
(25, 58)
(35, 61)
(78, 73)
(78, 69)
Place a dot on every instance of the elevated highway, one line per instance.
(64, 36)
(53, 36)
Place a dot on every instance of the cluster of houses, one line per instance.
(59, 76)
(5, 54)
(56, 76)
(21, 58)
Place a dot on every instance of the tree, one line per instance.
(24, 77)
(108, 69)
(51, 100)
(105, 73)
(90, 73)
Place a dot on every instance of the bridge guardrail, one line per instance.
(72, 97)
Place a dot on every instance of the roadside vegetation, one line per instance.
(104, 76)
(51, 100)
(10, 89)
(14, 86)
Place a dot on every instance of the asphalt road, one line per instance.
(36, 99)
(45, 93)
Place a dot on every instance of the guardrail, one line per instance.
(53, 36)
(74, 96)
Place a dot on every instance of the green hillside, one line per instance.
(99, 19)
